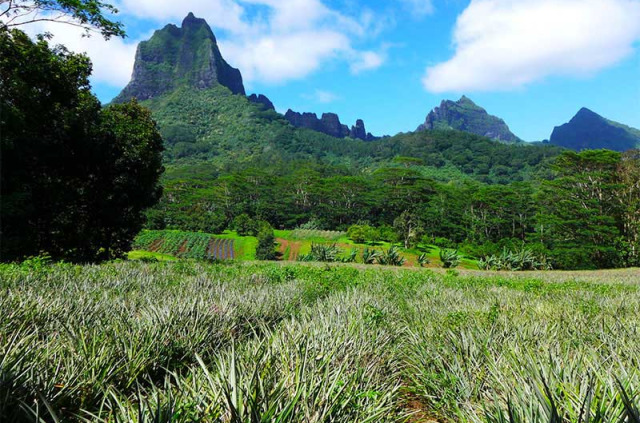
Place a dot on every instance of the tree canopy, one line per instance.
(91, 15)
(76, 177)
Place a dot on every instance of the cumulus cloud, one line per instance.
(367, 60)
(270, 41)
(321, 96)
(503, 44)
(418, 8)
(112, 60)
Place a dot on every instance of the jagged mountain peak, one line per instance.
(465, 115)
(177, 57)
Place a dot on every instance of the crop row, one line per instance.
(194, 245)
(220, 249)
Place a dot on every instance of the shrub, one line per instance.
(520, 259)
(266, 242)
(369, 256)
(391, 257)
(321, 252)
(423, 260)
(449, 258)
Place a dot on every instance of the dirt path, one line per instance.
(294, 249)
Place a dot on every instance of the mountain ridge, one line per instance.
(465, 115)
(589, 130)
(175, 56)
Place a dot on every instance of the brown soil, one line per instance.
(156, 245)
(416, 409)
(294, 248)
(183, 247)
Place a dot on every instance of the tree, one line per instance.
(76, 178)
(409, 228)
(86, 14)
(580, 215)
(266, 243)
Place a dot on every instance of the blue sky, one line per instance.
(533, 63)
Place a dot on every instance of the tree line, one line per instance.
(586, 215)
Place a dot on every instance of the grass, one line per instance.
(149, 255)
(185, 341)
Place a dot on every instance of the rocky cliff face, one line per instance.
(465, 115)
(176, 57)
(589, 130)
(263, 100)
(328, 124)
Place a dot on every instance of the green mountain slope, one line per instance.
(465, 115)
(209, 126)
(176, 57)
(589, 130)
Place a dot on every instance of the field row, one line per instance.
(186, 341)
(195, 245)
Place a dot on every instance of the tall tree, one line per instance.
(579, 216)
(76, 178)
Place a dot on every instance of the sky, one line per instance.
(534, 63)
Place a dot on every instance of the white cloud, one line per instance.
(112, 60)
(502, 44)
(367, 60)
(418, 8)
(278, 58)
(321, 96)
(284, 40)
(270, 41)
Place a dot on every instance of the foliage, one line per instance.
(362, 233)
(391, 257)
(369, 256)
(450, 258)
(408, 226)
(519, 259)
(423, 260)
(186, 341)
(583, 211)
(91, 15)
(76, 178)
(322, 253)
(266, 244)
(193, 245)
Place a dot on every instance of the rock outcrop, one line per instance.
(263, 100)
(465, 115)
(589, 130)
(176, 57)
(329, 124)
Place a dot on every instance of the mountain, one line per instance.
(589, 130)
(210, 128)
(175, 57)
(329, 124)
(465, 115)
(263, 100)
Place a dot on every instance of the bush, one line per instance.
(369, 256)
(449, 258)
(521, 259)
(391, 257)
(423, 260)
(322, 253)
(266, 243)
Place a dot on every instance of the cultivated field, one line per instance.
(242, 342)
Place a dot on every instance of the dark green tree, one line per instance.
(76, 178)
(87, 14)
(580, 216)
